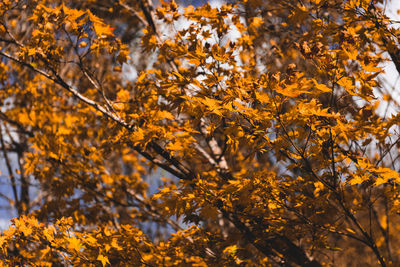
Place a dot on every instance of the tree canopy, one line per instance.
(249, 133)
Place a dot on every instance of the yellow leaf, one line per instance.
(371, 67)
(74, 244)
(44, 252)
(102, 30)
(103, 259)
(257, 21)
(347, 84)
(230, 249)
(26, 230)
(355, 180)
(82, 44)
(323, 88)
(123, 95)
(138, 136)
(352, 53)
(291, 90)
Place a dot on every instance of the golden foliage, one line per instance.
(252, 135)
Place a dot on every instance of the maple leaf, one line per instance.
(74, 244)
(103, 259)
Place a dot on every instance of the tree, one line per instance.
(252, 134)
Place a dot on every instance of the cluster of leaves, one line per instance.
(266, 116)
